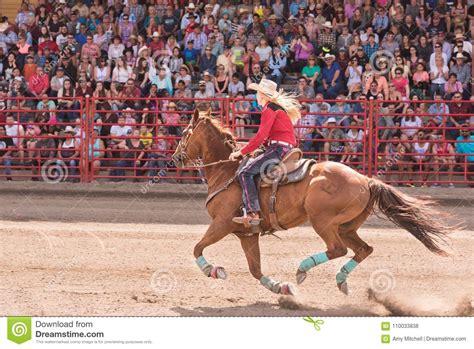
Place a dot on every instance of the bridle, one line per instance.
(183, 156)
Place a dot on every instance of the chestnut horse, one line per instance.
(334, 198)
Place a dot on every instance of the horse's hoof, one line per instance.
(300, 276)
(218, 273)
(343, 288)
(287, 289)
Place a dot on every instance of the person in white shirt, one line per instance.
(14, 130)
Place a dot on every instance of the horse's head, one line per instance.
(204, 138)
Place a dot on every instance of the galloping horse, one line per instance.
(334, 198)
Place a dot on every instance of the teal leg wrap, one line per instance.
(345, 270)
(313, 261)
(203, 265)
(270, 284)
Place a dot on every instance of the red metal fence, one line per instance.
(86, 139)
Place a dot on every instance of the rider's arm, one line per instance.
(268, 117)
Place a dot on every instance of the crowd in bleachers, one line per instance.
(148, 63)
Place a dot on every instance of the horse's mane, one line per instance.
(225, 131)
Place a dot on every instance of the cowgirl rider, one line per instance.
(279, 112)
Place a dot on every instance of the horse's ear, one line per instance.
(195, 116)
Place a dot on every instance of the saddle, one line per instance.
(292, 169)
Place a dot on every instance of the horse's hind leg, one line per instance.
(214, 233)
(348, 234)
(327, 227)
(251, 247)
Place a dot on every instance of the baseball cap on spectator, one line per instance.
(69, 129)
(62, 1)
(156, 35)
(206, 73)
(292, 18)
(244, 10)
(273, 17)
(60, 69)
(311, 15)
(459, 55)
(171, 105)
(331, 120)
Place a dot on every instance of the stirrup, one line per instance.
(247, 221)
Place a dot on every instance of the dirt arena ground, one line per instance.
(109, 250)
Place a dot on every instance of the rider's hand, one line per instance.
(235, 155)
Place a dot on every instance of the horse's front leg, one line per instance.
(251, 247)
(216, 231)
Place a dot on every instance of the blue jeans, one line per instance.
(260, 165)
(157, 165)
(72, 166)
(120, 172)
(332, 91)
(7, 165)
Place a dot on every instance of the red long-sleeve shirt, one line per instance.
(275, 125)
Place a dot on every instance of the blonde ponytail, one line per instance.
(289, 103)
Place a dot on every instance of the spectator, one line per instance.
(66, 102)
(38, 83)
(331, 78)
(203, 94)
(235, 86)
(241, 118)
(221, 81)
(6, 144)
(122, 72)
(465, 150)
(68, 152)
(208, 61)
(303, 49)
(312, 72)
(463, 73)
(353, 74)
(443, 156)
(303, 90)
(334, 140)
(341, 111)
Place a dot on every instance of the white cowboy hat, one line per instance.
(191, 6)
(328, 55)
(144, 48)
(69, 129)
(267, 87)
(460, 55)
(327, 24)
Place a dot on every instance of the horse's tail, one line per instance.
(414, 215)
